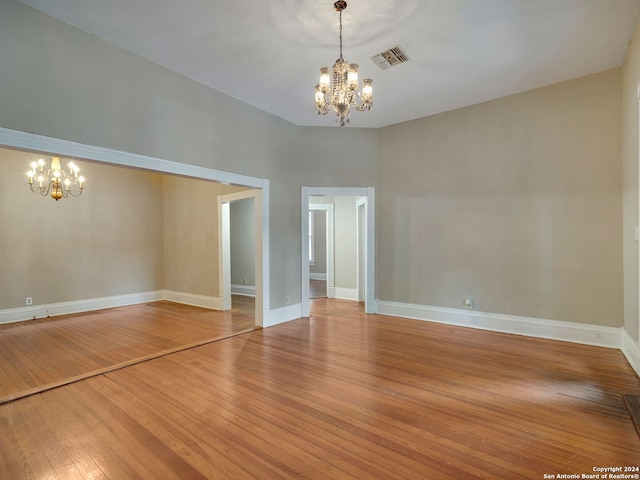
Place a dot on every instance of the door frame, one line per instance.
(361, 212)
(370, 302)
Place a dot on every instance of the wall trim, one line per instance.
(596, 335)
(50, 145)
(317, 276)
(631, 350)
(204, 301)
(346, 293)
(277, 316)
(77, 306)
(244, 290)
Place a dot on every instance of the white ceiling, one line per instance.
(268, 53)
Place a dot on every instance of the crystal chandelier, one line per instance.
(337, 91)
(55, 181)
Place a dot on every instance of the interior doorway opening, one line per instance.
(350, 243)
(244, 279)
(100, 155)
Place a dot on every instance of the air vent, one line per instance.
(390, 58)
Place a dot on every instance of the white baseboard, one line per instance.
(77, 306)
(214, 303)
(631, 350)
(245, 290)
(282, 315)
(317, 276)
(346, 293)
(610, 337)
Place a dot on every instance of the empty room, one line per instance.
(221, 260)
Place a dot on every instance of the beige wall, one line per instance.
(515, 203)
(190, 214)
(107, 242)
(630, 79)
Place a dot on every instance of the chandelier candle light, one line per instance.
(337, 91)
(55, 181)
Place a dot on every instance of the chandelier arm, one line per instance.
(44, 190)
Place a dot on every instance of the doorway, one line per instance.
(321, 248)
(365, 224)
(242, 274)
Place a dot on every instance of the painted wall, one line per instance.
(242, 239)
(630, 80)
(107, 242)
(515, 203)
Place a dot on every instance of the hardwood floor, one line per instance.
(41, 354)
(340, 395)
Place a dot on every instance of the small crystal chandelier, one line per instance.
(55, 181)
(337, 92)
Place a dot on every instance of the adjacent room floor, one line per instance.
(40, 354)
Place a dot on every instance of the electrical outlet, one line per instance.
(244, 281)
(468, 303)
(29, 301)
(286, 300)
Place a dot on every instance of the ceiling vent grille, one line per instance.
(390, 58)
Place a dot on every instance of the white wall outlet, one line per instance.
(286, 300)
(244, 281)
(29, 301)
(468, 303)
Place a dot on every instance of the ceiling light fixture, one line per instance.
(337, 91)
(55, 181)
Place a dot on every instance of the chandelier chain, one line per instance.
(340, 33)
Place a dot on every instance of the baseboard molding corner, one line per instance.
(631, 350)
(204, 301)
(371, 305)
(595, 335)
